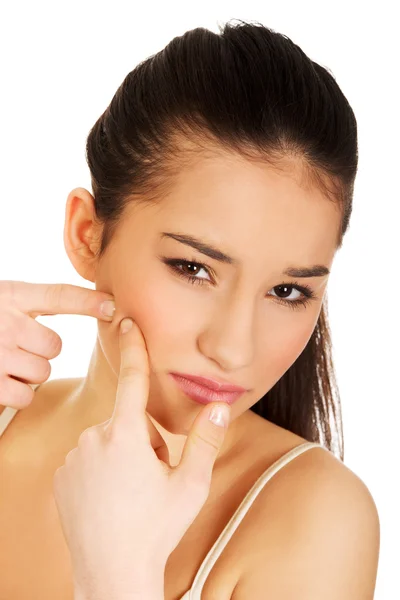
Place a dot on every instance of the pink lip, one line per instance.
(213, 384)
(204, 395)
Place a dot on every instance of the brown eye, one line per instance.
(285, 289)
(193, 268)
(192, 276)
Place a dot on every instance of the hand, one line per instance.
(26, 345)
(122, 507)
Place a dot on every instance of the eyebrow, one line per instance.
(213, 252)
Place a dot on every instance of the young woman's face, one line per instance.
(234, 321)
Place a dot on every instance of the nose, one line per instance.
(229, 338)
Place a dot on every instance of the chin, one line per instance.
(173, 422)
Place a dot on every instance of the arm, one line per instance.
(325, 546)
(151, 592)
(144, 587)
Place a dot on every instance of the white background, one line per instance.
(61, 63)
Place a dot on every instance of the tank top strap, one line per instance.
(195, 591)
(9, 413)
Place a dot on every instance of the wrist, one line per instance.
(144, 583)
(154, 590)
(146, 593)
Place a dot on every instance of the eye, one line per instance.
(194, 268)
(306, 293)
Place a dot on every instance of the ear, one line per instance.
(82, 233)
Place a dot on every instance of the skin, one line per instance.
(233, 326)
(115, 460)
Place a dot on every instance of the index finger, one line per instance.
(36, 299)
(129, 415)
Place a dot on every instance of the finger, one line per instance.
(36, 338)
(26, 366)
(133, 385)
(15, 394)
(203, 444)
(157, 441)
(55, 298)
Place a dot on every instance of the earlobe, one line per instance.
(81, 233)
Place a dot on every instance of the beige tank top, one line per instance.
(194, 593)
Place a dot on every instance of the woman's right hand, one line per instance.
(26, 345)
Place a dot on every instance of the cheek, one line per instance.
(154, 307)
(285, 342)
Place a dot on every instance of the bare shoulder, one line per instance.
(34, 433)
(313, 533)
(56, 388)
(50, 397)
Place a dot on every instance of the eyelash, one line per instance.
(308, 294)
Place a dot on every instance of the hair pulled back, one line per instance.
(249, 91)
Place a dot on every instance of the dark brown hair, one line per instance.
(251, 91)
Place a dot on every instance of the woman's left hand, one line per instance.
(122, 507)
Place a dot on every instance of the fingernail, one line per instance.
(219, 415)
(108, 308)
(126, 325)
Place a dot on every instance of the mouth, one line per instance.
(217, 385)
(203, 394)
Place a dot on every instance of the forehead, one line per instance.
(250, 206)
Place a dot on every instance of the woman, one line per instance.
(222, 176)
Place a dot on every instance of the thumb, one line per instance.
(204, 442)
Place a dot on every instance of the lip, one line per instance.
(202, 394)
(212, 383)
